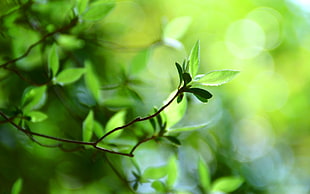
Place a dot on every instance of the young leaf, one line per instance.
(53, 60)
(98, 129)
(33, 97)
(187, 128)
(180, 71)
(92, 82)
(204, 175)
(180, 98)
(216, 78)
(36, 116)
(172, 169)
(116, 120)
(227, 184)
(159, 186)
(194, 59)
(155, 172)
(173, 140)
(68, 76)
(201, 94)
(152, 121)
(187, 78)
(17, 186)
(98, 10)
(177, 27)
(88, 125)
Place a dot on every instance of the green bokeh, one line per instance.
(255, 127)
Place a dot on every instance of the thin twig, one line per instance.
(95, 143)
(141, 119)
(67, 27)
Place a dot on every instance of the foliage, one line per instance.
(119, 118)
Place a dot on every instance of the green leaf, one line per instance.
(33, 98)
(139, 62)
(98, 10)
(172, 169)
(201, 94)
(88, 125)
(227, 184)
(173, 140)
(187, 78)
(177, 27)
(155, 172)
(69, 42)
(91, 80)
(116, 120)
(53, 60)
(81, 6)
(194, 59)
(216, 78)
(68, 76)
(17, 186)
(152, 121)
(180, 98)
(98, 129)
(204, 175)
(37, 116)
(187, 128)
(180, 71)
(175, 111)
(159, 186)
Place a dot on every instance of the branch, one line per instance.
(141, 119)
(64, 28)
(95, 143)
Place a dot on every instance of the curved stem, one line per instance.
(141, 119)
(95, 143)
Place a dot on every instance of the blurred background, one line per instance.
(256, 126)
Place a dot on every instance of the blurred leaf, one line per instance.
(152, 121)
(81, 5)
(69, 42)
(187, 78)
(180, 71)
(98, 129)
(88, 125)
(37, 116)
(175, 111)
(172, 169)
(68, 76)
(201, 94)
(134, 94)
(180, 98)
(53, 60)
(204, 175)
(216, 78)
(159, 186)
(116, 120)
(194, 59)
(33, 97)
(98, 10)
(176, 28)
(173, 43)
(173, 140)
(135, 185)
(227, 184)
(139, 62)
(17, 186)
(155, 172)
(92, 81)
(188, 128)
